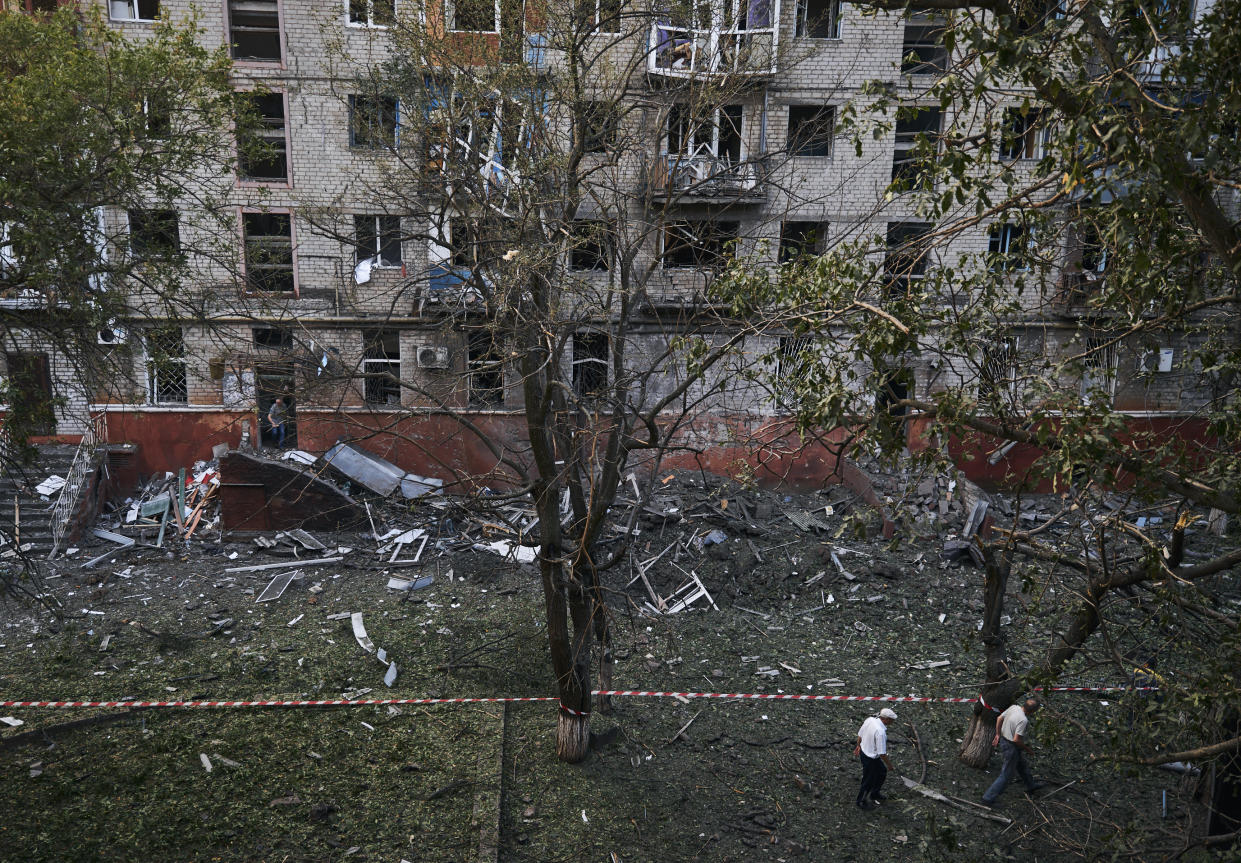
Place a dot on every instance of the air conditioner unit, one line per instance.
(111, 336)
(431, 357)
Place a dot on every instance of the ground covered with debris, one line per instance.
(728, 590)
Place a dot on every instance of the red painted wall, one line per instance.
(168, 440)
(1013, 470)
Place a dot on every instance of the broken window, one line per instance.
(378, 238)
(593, 245)
(997, 371)
(276, 339)
(164, 350)
(1024, 135)
(262, 149)
(372, 13)
(477, 16)
(894, 387)
(914, 132)
(818, 19)
(486, 370)
(1006, 246)
(794, 356)
(698, 243)
(923, 51)
(600, 127)
(811, 128)
(153, 234)
(130, 10)
(590, 363)
(269, 252)
(157, 115)
(254, 30)
(373, 122)
(905, 262)
(1098, 384)
(601, 15)
(800, 240)
(381, 368)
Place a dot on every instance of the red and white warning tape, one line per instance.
(637, 693)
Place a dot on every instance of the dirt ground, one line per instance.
(693, 779)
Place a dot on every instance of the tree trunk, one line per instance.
(1000, 689)
(572, 737)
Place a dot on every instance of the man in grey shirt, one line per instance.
(1010, 734)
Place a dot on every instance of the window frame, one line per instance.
(1004, 241)
(154, 361)
(266, 132)
(1000, 355)
(1100, 364)
(378, 135)
(925, 26)
(901, 246)
(248, 265)
(229, 27)
(371, 21)
(378, 377)
(483, 358)
(797, 142)
(698, 257)
(590, 372)
(1023, 135)
(801, 23)
(905, 165)
(450, 16)
(386, 232)
(135, 7)
(146, 250)
(785, 251)
(600, 127)
(592, 241)
(597, 18)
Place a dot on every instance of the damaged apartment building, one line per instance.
(375, 214)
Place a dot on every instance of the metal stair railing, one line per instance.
(71, 493)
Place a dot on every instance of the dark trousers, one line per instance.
(1014, 762)
(874, 771)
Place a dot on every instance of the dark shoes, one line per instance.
(878, 798)
(990, 804)
(1036, 786)
(865, 805)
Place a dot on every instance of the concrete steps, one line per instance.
(17, 486)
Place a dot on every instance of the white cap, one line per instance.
(887, 713)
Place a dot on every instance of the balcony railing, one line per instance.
(742, 43)
(704, 176)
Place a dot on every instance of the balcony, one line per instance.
(715, 40)
(705, 178)
(1074, 292)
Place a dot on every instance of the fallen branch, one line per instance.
(935, 795)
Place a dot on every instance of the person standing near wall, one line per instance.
(872, 749)
(276, 417)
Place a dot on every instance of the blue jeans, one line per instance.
(1014, 762)
(277, 432)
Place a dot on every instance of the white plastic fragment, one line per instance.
(202, 756)
(359, 632)
(12, 721)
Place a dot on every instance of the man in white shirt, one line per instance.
(1010, 734)
(872, 749)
